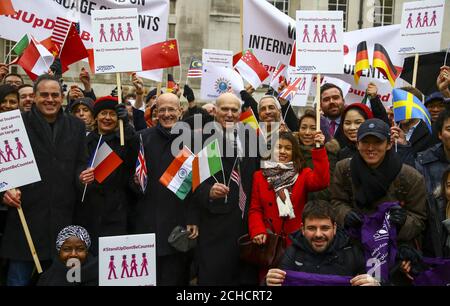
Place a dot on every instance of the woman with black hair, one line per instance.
(9, 98)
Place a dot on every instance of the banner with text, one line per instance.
(120, 50)
(17, 164)
(38, 18)
(217, 80)
(128, 260)
(222, 58)
(421, 26)
(320, 42)
(268, 32)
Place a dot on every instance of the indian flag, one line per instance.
(206, 163)
(178, 177)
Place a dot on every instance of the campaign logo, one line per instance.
(406, 49)
(222, 85)
(104, 68)
(306, 68)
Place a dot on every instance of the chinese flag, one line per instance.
(6, 7)
(50, 46)
(73, 49)
(160, 55)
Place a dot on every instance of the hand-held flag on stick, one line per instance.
(141, 166)
(195, 68)
(6, 8)
(407, 106)
(35, 59)
(235, 177)
(73, 49)
(160, 55)
(248, 117)
(105, 162)
(291, 90)
(206, 163)
(362, 60)
(278, 76)
(383, 63)
(251, 69)
(178, 176)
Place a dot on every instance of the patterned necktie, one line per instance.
(332, 127)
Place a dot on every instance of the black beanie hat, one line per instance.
(107, 102)
(88, 102)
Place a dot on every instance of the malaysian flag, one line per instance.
(291, 90)
(195, 69)
(141, 166)
(235, 177)
(60, 31)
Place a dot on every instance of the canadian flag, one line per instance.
(251, 69)
(106, 161)
(278, 76)
(35, 59)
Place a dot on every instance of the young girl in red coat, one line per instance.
(280, 188)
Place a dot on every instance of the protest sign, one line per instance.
(217, 80)
(222, 58)
(301, 97)
(116, 40)
(17, 164)
(128, 260)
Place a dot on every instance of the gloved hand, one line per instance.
(407, 253)
(352, 220)
(397, 216)
(122, 112)
(188, 93)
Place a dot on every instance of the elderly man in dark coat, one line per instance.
(58, 142)
(224, 205)
(159, 210)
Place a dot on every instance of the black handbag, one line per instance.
(267, 255)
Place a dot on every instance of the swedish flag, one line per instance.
(407, 106)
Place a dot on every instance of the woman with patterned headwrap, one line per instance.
(72, 244)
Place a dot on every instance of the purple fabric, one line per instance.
(437, 275)
(294, 278)
(379, 240)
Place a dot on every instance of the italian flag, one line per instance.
(178, 177)
(206, 163)
(21, 45)
(35, 59)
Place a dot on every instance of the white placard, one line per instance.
(421, 26)
(117, 46)
(217, 80)
(269, 33)
(17, 164)
(128, 260)
(221, 58)
(344, 86)
(301, 97)
(320, 42)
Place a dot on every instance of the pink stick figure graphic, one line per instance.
(324, 34)
(425, 20)
(419, 20)
(129, 32)
(433, 19)
(144, 265)
(2, 157)
(333, 34)
(124, 267)
(316, 34)
(112, 268)
(306, 34)
(19, 148)
(410, 21)
(113, 33)
(302, 87)
(133, 266)
(102, 33)
(9, 152)
(120, 33)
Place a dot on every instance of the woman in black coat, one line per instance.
(105, 208)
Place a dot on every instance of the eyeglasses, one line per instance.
(170, 110)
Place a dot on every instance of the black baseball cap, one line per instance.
(375, 127)
(435, 96)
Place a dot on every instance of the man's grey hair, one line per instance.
(275, 101)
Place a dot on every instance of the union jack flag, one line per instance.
(141, 167)
(289, 92)
(235, 177)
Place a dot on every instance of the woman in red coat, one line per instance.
(280, 188)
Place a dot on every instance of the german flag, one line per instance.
(248, 117)
(362, 60)
(171, 85)
(383, 63)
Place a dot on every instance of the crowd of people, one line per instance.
(314, 187)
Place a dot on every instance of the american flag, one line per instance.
(60, 30)
(291, 90)
(141, 167)
(195, 69)
(235, 177)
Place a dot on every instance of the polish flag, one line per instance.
(35, 59)
(251, 69)
(106, 161)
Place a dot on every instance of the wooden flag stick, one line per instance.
(158, 89)
(119, 96)
(29, 240)
(416, 66)
(317, 105)
(242, 25)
